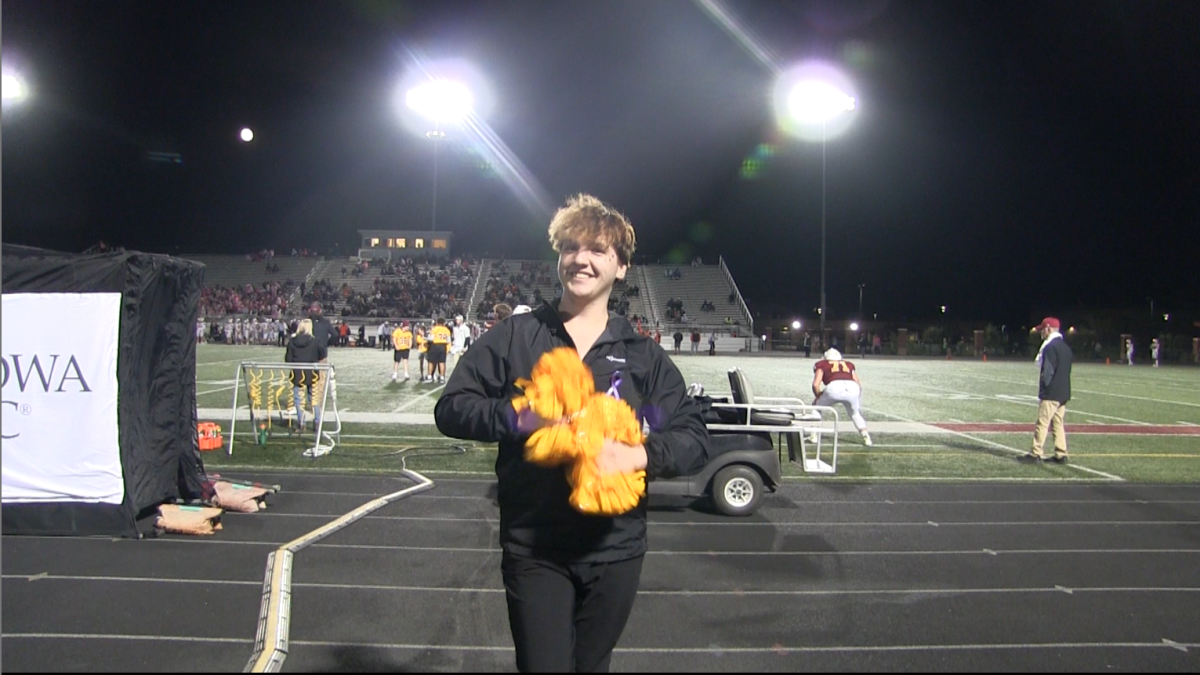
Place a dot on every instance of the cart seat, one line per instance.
(743, 394)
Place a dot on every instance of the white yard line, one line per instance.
(1089, 391)
(1002, 446)
(409, 404)
(1030, 401)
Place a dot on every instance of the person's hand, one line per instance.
(616, 457)
(528, 422)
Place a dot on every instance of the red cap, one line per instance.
(1049, 322)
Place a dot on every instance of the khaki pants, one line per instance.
(1050, 419)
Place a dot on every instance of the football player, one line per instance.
(835, 380)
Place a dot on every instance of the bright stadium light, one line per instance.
(816, 102)
(247, 134)
(16, 90)
(813, 101)
(796, 325)
(440, 101)
(13, 88)
(854, 325)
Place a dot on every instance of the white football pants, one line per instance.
(848, 393)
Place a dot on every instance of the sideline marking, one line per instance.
(1089, 391)
(1005, 447)
(427, 394)
(1089, 427)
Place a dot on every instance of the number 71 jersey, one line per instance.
(832, 371)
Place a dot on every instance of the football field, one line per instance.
(930, 419)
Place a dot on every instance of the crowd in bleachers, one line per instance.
(268, 299)
(512, 285)
(411, 287)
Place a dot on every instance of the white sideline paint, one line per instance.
(369, 417)
(1027, 400)
(1005, 447)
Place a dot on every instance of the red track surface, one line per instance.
(1014, 427)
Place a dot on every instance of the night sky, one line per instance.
(1006, 158)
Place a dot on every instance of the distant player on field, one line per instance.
(402, 340)
(835, 380)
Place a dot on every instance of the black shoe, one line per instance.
(1058, 459)
(1029, 457)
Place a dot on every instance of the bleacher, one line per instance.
(235, 271)
(696, 284)
(364, 283)
(489, 269)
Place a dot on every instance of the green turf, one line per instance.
(895, 390)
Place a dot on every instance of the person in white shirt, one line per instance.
(382, 339)
(460, 335)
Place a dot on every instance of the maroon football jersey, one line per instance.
(832, 371)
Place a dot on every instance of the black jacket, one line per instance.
(535, 516)
(1055, 381)
(323, 330)
(303, 348)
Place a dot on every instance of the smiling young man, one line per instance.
(571, 579)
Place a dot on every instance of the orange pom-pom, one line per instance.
(561, 387)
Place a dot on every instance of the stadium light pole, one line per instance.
(440, 101)
(809, 102)
(860, 291)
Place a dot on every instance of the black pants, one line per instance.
(568, 617)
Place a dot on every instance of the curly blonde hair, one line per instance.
(585, 218)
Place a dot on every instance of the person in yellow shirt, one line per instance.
(402, 340)
(422, 341)
(439, 338)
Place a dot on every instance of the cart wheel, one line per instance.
(736, 490)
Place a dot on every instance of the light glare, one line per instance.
(440, 100)
(13, 88)
(247, 134)
(812, 102)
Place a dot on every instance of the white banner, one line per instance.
(59, 414)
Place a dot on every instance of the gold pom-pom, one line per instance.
(561, 389)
